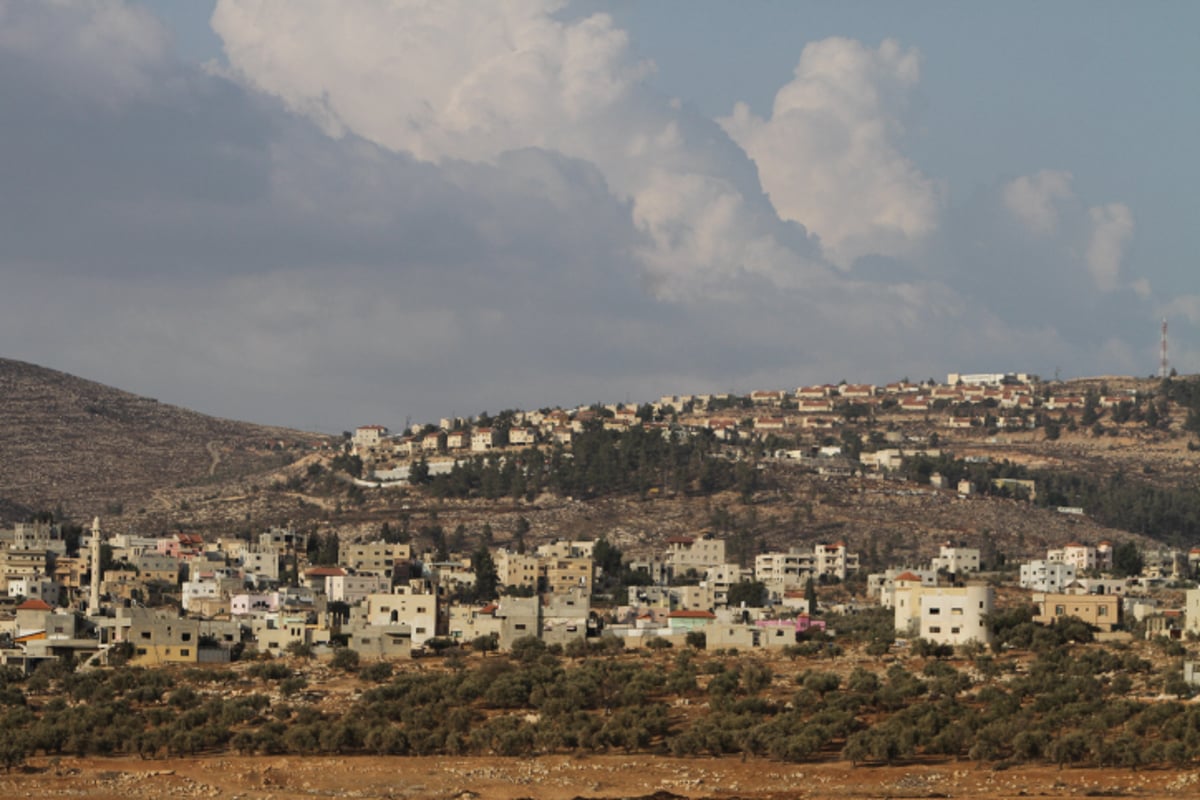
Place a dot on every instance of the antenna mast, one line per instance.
(1163, 370)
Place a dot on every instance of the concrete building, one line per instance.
(379, 557)
(415, 605)
(1102, 611)
(686, 553)
(1191, 611)
(956, 560)
(1047, 576)
(950, 615)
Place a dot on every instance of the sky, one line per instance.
(324, 215)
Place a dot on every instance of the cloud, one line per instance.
(383, 210)
(1097, 237)
(1112, 228)
(1033, 199)
(465, 83)
(828, 155)
(102, 53)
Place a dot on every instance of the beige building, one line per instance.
(1102, 611)
(415, 605)
(686, 553)
(1192, 611)
(378, 556)
(516, 569)
(562, 576)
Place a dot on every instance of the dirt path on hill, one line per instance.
(215, 452)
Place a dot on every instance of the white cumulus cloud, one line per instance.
(1111, 230)
(828, 156)
(1034, 199)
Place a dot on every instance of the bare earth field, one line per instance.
(565, 777)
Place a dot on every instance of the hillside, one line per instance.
(92, 449)
(145, 466)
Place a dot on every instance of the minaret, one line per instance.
(94, 598)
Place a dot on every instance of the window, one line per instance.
(956, 612)
(1102, 611)
(187, 637)
(954, 630)
(520, 626)
(420, 630)
(183, 651)
(935, 611)
(146, 634)
(1060, 610)
(141, 651)
(935, 629)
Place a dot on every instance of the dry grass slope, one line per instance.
(92, 449)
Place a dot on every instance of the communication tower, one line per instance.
(1163, 366)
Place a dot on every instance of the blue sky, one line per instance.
(323, 215)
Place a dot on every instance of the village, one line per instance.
(122, 597)
(181, 600)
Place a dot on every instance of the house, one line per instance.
(768, 397)
(516, 569)
(814, 406)
(379, 557)
(1101, 611)
(1191, 611)
(857, 391)
(161, 638)
(1047, 576)
(567, 617)
(956, 560)
(1083, 557)
(415, 605)
(367, 438)
(687, 621)
(693, 553)
(560, 576)
(918, 403)
(882, 585)
(458, 440)
(522, 437)
(950, 615)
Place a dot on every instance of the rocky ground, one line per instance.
(561, 777)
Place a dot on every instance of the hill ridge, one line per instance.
(88, 448)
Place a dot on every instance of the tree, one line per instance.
(486, 577)
(607, 557)
(522, 528)
(344, 659)
(810, 596)
(750, 593)
(418, 473)
(1127, 559)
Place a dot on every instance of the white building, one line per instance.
(882, 585)
(405, 605)
(1047, 576)
(1192, 611)
(956, 560)
(368, 437)
(1082, 556)
(353, 589)
(950, 615)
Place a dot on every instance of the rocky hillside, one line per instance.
(90, 449)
